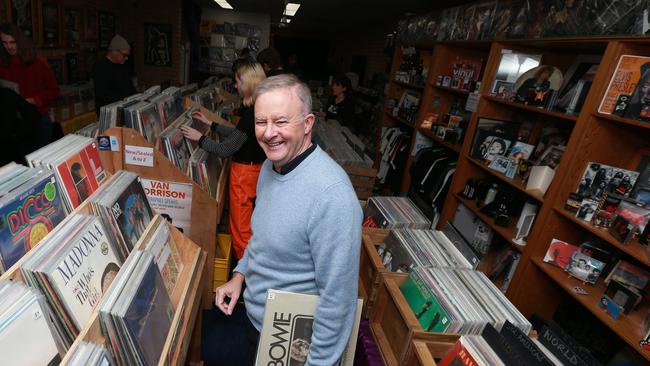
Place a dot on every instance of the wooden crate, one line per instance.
(394, 325)
(363, 180)
(370, 267)
(425, 353)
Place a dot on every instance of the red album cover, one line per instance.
(458, 356)
(623, 83)
(559, 253)
(81, 174)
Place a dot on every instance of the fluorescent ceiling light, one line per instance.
(291, 9)
(224, 4)
(288, 20)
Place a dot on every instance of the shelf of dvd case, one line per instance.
(508, 233)
(205, 211)
(370, 266)
(400, 120)
(408, 85)
(185, 300)
(617, 119)
(546, 112)
(627, 326)
(394, 324)
(451, 146)
(515, 182)
(634, 248)
(451, 90)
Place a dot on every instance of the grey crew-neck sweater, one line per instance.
(306, 239)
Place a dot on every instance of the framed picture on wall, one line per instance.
(157, 44)
(106, 29)
(72, 22)
(22, 15)
(50, 24)
(90, 24)
(57, 63)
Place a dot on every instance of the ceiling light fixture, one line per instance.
(291, 9)
(224, 4)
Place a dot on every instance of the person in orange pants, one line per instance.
(247, 155)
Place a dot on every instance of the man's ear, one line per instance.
(309, 123)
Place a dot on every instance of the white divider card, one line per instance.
(138, 155)
(171, 200)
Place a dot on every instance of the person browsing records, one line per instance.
(247, 155)
(32, 74)
(271, 61)
(306, 225)
(340, 106)
(111, 74)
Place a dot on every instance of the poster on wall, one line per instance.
(22, 16)
(90, 24)
(50, 24)
(171, 200)
(157, 44)
(72, 22)
(106, 29)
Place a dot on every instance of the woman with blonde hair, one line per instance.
(247, 155)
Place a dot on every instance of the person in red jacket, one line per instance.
(36, 82)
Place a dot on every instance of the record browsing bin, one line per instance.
(395, 326)
(222, 259)
(370, 267)
(186, 299)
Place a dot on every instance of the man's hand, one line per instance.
(190, 133)
(230, 289)
(201, 117)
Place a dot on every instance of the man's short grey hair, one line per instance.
(286, 81)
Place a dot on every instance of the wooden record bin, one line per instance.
(370, 267)
(185, 298)
(395, 326)
(206, 211)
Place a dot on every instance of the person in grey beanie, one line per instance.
(112, 77)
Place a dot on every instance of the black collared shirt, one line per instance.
(293, 164)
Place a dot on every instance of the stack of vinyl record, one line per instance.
(166, 108)
(89, 130)
(30, 207)
(90, 354)
(447, 300)
(27, 335)
(158, 241)
(73, 266)
(123, 207)
(152, 91)
(408, 248)
(205, 169)
(76, 164)
(189, 89)
(112, 115)
(510, 346)
(205, 97)
(341, 144)
(136, 315)
(177, 96)
(144, 117)
(394, 213)
(175, 147)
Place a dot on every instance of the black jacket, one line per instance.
(18, 120)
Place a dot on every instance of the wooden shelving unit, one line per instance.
(407, 85)
(400, 120)
(523, 107)
(450, 90)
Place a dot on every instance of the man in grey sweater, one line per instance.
(306, 224)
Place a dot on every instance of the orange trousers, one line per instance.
(243, 183)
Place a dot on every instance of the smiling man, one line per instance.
(306, 224)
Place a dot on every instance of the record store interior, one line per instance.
(354, 183)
